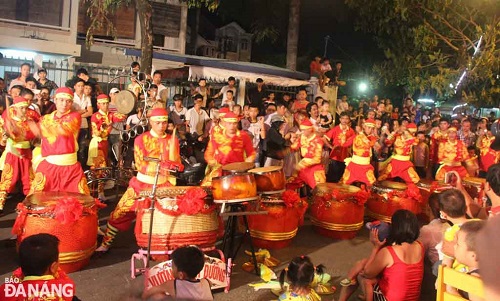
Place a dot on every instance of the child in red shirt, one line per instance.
(39, 273)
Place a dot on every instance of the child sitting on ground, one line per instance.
(187, 263)
(465, 252)
(39, 261)
(300, 273)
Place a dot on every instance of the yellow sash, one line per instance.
(94, 149)
(10, 147)
(62, 160)
(358, 160)
(401, 157)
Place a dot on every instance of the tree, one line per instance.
(100, 10)
(293, 35)
(430, 44)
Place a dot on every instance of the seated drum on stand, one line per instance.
(337, 210)
(183, 215)
(387, 197)
(71, 217)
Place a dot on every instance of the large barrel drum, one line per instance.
(387, 197)
(337, 210)
(171, 228)
(277, 228)
(71, 217)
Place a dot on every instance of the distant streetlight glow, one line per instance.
(363, 87)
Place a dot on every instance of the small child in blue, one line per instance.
(300, 273)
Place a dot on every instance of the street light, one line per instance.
(363, 87)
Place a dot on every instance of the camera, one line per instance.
(450, 178)
(182, 116)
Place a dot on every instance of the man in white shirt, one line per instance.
(157, 81)
(21, 80)
(229, 101)
(229, 87)
(82, 105)
(196, 118)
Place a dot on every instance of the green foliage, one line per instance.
(428, 44)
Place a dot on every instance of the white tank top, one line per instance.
(193, 290)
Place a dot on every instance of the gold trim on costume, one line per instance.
(70, 257)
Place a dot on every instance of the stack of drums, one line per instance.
(170, 230)
(387, 197)
(337, 210)
(279, 226)
(61, 214)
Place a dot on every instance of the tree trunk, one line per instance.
(293, 35)
(145, 18)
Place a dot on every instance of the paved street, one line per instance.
(108, 277)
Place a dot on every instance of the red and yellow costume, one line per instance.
(310, 169)
(487, 156)
(400, 164)
(59, 169)
(16, 159)
(436, 139)
(45, 284)
(342, 137)
(223, 149)
(451, 155)
(358, 167)
(149, 144)
(101, 124)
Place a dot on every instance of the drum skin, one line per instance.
(269, 179)
(387, 197)
(78, 239)
(276, 229)
(234, 187)
(236, 168)
(336, 218)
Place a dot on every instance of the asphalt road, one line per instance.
(108, 277)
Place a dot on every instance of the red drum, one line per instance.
(387, 197)
(179, 220)
(475, 188)
(239, 186)
(472, 166)
(71, 217)
(337, 210)
(236, 168)
(277, 228)
(269, 179)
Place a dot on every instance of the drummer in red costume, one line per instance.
(154, 144)
(452, 153)
(59, 169)
(438, 137)
(400, 164)
(101, 127)
(358, 168)
(310, 169)
(230, 145)
(487, 155)
(16, 159)
(339, 140)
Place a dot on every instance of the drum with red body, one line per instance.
(240, 186)
(337, 210)
(270, 179)
(71, 217)
(277, 228)
(387, 197)
(171, 228)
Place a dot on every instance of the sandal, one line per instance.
(348, 282)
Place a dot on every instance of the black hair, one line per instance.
(135, 64)
(300, 272)
(259, 80)
(452, 202)
(404, 227)
(25, 64)
(46, 88)
(37, 253)
(493, 178)
(88, 84)
(26, 91)
(157, 72)
(309, 107)
(82, 71)
(30, 79)
(434, 204)
(189, 260)
(178, 97)
(435, 123)
(443, 119)
(280, 103)
(325, 102)
(231, 78)
(77, 81)
(1, 79)
(198, 96)
(202, 79)
(270, 105)
(230, 91)
(317, 98)
(252, 105)
(153, 86)
(17, 87)
(302, 89)
(344, 114)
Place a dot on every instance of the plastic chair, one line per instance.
(462, 281)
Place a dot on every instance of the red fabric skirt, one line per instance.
(51, 177)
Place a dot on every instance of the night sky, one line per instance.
(318, 18)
